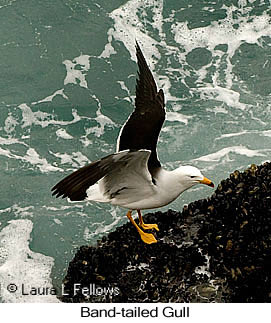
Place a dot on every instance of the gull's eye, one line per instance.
(193, 176)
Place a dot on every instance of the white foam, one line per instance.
(129, 26)
(75, 159)
(129, 97)
(43, 119)
(62, 133)
(75, 75)
(62, 207)
(50, 97)
(234, 134)
(10, 124)
(230, 97)
(264, 133)
(6, 153)
(7, 4)
(57, 221)
(101, 120)
(123, 87)
(21, 266)
(22, 211)
(98, 228)
(10, 141)
(176, 116)
(85, 140)
(250, 30)
(8, 209)
(223, 32)
(33, 158)
(108, 49)
(240, 150)
(19, 211)
(218, 109)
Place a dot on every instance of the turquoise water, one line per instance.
(67, 84)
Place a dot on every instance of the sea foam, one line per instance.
(73, 74)
(241, 150)
(21, 266)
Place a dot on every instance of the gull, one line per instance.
(133, 177)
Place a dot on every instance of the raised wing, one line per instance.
(142, 129)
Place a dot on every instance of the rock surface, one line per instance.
(217, 250)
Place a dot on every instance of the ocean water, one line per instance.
(67, 85)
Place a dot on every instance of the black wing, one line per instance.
(142, 129)
(75, 185)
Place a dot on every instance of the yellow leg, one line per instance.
(146, 237)
(144, 225)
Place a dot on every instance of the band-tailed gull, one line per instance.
(133, 177)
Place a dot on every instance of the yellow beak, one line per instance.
(206, 181)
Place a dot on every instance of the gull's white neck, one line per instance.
(170, 184)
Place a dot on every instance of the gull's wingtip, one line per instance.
(137, 45)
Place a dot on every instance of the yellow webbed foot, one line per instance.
(147, 237)
(146, 226)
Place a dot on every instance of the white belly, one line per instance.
(155, 201)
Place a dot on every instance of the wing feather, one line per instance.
(75, 185)
(142, 129)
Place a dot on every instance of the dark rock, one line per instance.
(217, 250)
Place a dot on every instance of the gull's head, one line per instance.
(190, 176)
